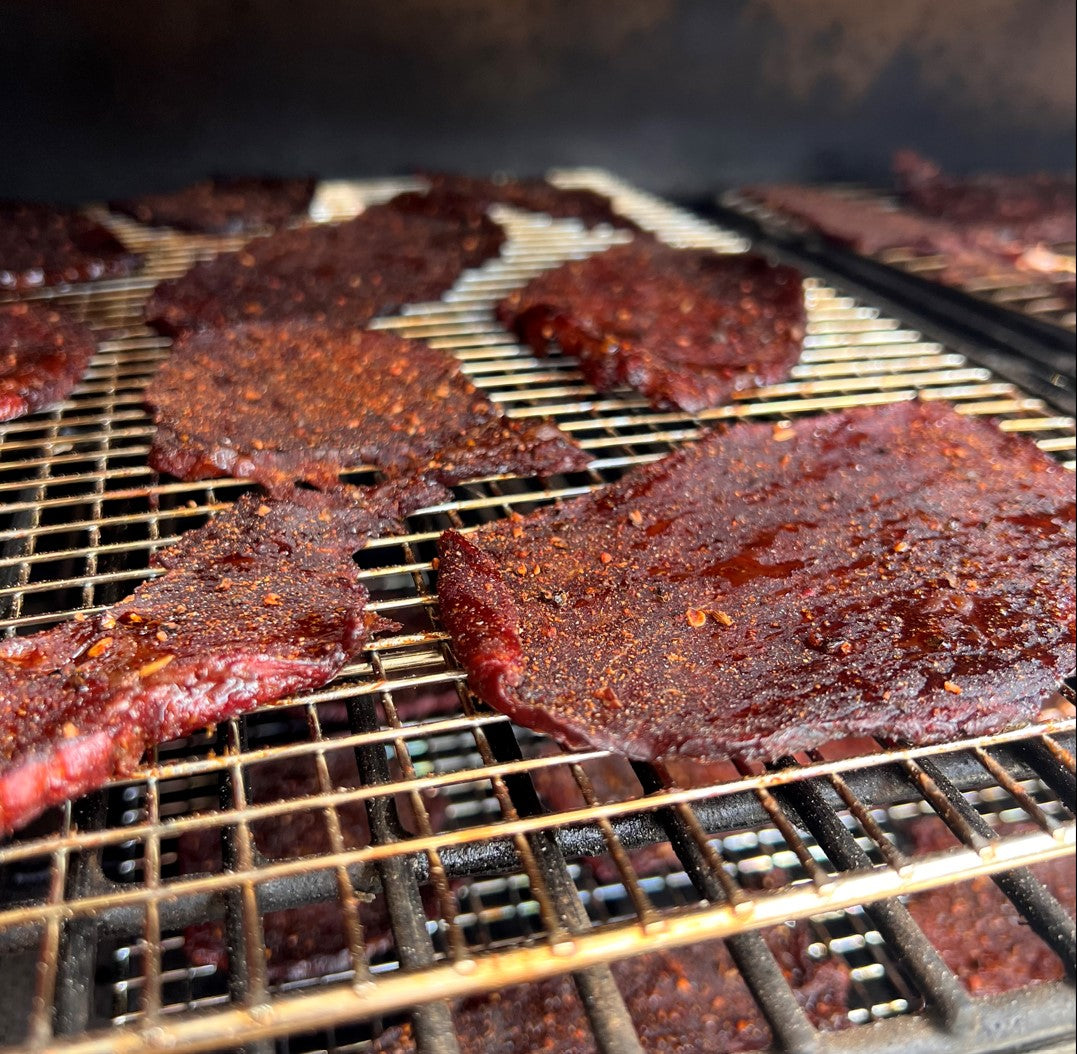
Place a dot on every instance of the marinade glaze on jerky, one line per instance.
(685, 327)
(43, 355)
(900, 571)
(262, 601)
(344, 273)
(455, 195)
(282, 402)
(43, 245)
(223, 206)
(688, 1001)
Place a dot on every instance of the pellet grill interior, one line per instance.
(484, 881)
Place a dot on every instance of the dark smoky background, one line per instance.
(681, 96)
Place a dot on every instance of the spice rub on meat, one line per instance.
(43, 355)
(453, 195)
(262, 601)
(310, 940)
(682, 1001)
(899, 571)
(344, 273)
(223, 206)
(42, 245)
(281, 402)
(685, 327)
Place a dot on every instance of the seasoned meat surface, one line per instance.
(1034, 208)
(681, 1002)
(685, 327)
(262, 601)
(902, 571)
(223, 206)
(43, 245)
(281, 402)
(43, 355)
(344, 273)
(456, 195)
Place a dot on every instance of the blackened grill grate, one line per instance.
(94, 905)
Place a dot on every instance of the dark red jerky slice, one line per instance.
(899, 571)
(261, 602)
(456, 195)
(311, 940)
(685, 327)
(223, 206)
(1036, 207)
(976, 929)
(681, 1002)
(43, 355)
(297, 401)
(870, 227)
(42, 245)
(344, 273)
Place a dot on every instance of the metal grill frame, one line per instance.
(78, 471)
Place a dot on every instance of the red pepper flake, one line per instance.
(69, 730)
(605, 558)
(262, 510)
(435, 564)
(272, 600)
(224, 583)
(636, 517)
(608, 696)
(153, 667)
(695, 617)
(521, 569)
(133, 617)
(901, 547)
(99, 648)
(517, 532)
(845, 647)
(953, 689)
(782, 432)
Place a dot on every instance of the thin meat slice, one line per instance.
(44, 245)
(223, 206)
(457, 195)
(978, 931)
(689, 1000)
(263, 601)
(310, 940)
(298, 401)
(43, 355)
(685, 327)
(899, 572)
(345, 273)
(1036, 207)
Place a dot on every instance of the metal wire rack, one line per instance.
(484, 883)
(1040, 294)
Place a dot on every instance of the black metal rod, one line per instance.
(432, 1022)
(789, 1024)
(1048, 919)
(932, 976)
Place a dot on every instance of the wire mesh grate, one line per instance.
(441, 857)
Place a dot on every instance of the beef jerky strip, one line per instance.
(689, 1000)
(345, 273)
(297, 401)
(1036, 207)
(897, 571)
(310, 940)
(43, 355)
(224, 206)
(685, 327)
(454, 195)
(262, 601)
(977, 930)
(43, 245)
